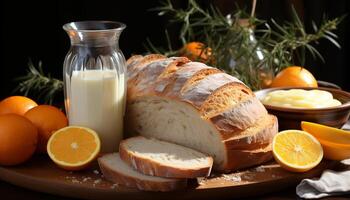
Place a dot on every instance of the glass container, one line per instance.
(94, 75)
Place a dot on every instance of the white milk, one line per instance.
(96, 99)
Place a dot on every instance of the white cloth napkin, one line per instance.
(331, 183)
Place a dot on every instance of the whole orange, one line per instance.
(47, 119)
(294, 76)
(16, 104)
(18, 139)
(196, 51)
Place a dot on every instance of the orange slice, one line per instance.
(296, 151)
(335, 151)
(326, 133)
(73, 147)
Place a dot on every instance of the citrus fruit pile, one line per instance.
(47, 119)
(26, 128)
(18, 139)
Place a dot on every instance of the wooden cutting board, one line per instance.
(40, 174)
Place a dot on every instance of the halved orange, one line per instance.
(297, 151)
(326, 133)
(73, 147)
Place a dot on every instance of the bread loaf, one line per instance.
(200, 107)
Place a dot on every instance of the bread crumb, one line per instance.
(86, 179)
(248, 177)
(114, 186)
(97, 181)
(75, 181)
(260, 169)
(96, 172)
(234, 178)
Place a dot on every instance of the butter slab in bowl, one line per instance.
(290, 117)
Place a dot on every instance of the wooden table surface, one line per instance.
(8, 191)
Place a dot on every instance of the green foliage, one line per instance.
(239, 38)
(37, 83)
(236, 38)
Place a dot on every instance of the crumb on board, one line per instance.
(236, 177)
(97, 181)
(76, 181)
(114, 186)
(96, 172)
(83, 179)
(232, 177)
(248, 177)
(260, 169)
(86, 179)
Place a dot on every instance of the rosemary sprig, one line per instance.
(37, 83)
(288, 44)
(234, 50)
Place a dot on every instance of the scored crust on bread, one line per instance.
(254, 136)
(159, 158)
(137, 63)
(172, 84)
(201, 111)
(115, 170)
(148, 75)
(224, 98)
(197, 93)
(240, 116)
(133, 60)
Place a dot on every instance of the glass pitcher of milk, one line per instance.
(95, 84)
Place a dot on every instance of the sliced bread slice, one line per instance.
(158, 158)
(115, 170)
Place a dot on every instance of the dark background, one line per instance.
(33, 29)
